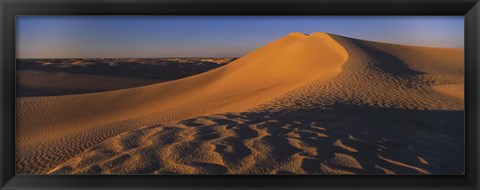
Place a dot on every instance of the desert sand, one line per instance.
(303, 104)
(52, 77)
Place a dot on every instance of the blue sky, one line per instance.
(213, 36)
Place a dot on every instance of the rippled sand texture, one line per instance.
(303, 104)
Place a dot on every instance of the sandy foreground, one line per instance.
(303, 104)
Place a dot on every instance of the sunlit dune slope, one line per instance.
(386, 76)
(315, 103)
(83, 120)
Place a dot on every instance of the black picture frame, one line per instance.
(11, 8)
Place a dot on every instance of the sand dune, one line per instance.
(53, 77)
(315, 104)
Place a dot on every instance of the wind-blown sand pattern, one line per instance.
(303, 104)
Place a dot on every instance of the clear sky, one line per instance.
(213, 36)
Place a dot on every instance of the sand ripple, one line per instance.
(301, 142)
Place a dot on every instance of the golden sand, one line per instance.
(306, 104)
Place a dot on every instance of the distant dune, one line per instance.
(303, 104)
(52, 77)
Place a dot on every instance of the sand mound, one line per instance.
(315, 104)
(249, 81)
(381, 75)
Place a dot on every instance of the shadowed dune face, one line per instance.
(306, 104)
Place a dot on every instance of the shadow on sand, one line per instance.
(339, 140)
(380, 140)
